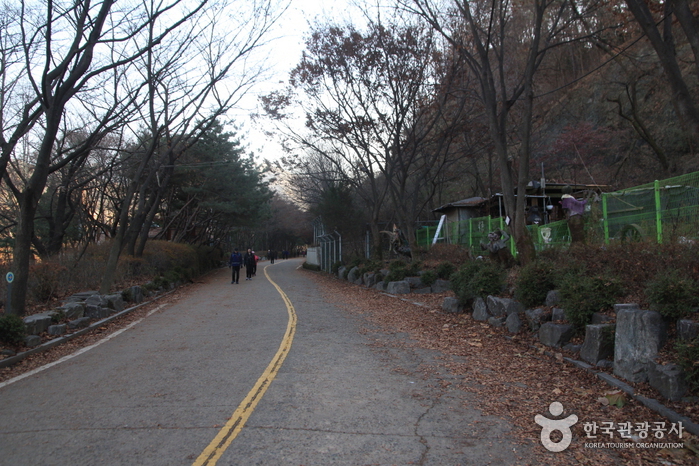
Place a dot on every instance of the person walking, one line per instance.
(249, 262)
(254, 267)
(234, 262)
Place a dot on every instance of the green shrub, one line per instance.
(673, 294)
(399, 264)
(534, 282)
(478, 279)
(687, 357)
(12, 329)
(445, 270)
(428, 277)
(336, 266)
(413, 270)
(395, 275)
(583, 295)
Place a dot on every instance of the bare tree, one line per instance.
(504, 46)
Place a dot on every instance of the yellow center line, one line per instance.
(224, 438)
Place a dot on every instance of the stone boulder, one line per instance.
(503, 306)
(73, 310)
(380, 285)
(57, 330)
(599, 343)
(115, 302)
(80, 297)
(555, 335)
(514, 323)
(451, 305)
(480, 310)
(38, 323)
(441, 286)
(342, 272)
(553, 298)
(32, 341)
(415, 282)
(96, 300)
(535, 317)
(353, 275)
(79, 323)
(668, 380)
(400, 287)
(687, 329)
(497, 321)
(638, 338)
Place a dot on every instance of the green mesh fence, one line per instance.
(666, 210)
(660, 211)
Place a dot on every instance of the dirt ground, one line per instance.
(514, 378)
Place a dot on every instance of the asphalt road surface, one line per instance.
(248, 374)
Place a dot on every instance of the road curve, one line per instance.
(162, 392)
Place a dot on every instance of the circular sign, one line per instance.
(10, 277)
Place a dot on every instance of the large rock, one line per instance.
(638, 338)
(400, 287)
(535, 317)
(370, 279)
(80, 297)
(451, 305)
(441, 286)
(115, 302)
(353, 275)
(32, 341)
(96, 300)
(687, 329)
(626, 307)
(380, 285)
(555, 335)
(553, 298)
(415, 282)
(503, 306)
(599, 343)
(342, 272)
(73, 310)
(514, 323)
(56, 330)
(497, 321)
(79, 323)
(668, 380)
(480, 310)
(37, 323)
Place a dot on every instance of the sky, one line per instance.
(284, 53)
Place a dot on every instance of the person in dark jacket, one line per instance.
(249, 262)
(235, 261)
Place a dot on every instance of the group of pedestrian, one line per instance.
(248, 260)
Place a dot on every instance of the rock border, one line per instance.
(9, 361)
(650, 403)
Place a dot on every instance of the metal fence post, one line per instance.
(658, 213)
(605, 218)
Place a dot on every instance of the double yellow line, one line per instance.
(223, 439)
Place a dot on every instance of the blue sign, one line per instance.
(10, 277)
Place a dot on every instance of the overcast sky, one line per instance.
(284, 52)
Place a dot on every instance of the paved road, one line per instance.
(159, 393)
